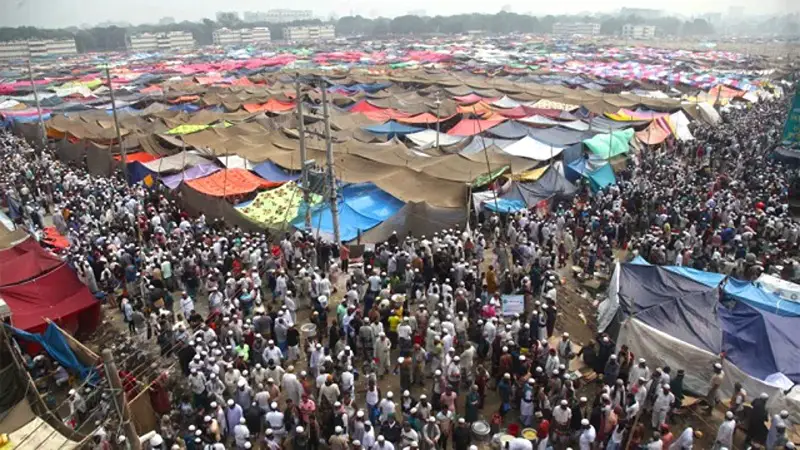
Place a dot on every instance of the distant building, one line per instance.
(37, 48)
(173, 40)
(226, 37)
(581, 28)
(287, 15)
(310, 33)
(638, 32)
(644, 13)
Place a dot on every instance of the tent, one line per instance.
(510, 129)
(418, 218)
(272, 172)
(426, 139)
(277, 207)
(192, 173)
(24, 261)
(229, 182)
(671, 319)
(57, 295)
(551, 185)
(392, 129)
(601, 177)
(530, 148)
(471, 127)
(361, 207)
(609, 145)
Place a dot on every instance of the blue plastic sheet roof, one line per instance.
(361, 207)
(753, 295)
(602, 177)
(505, 205)
(271, 172)
(392, 128)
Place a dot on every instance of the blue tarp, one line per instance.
(751, 294)
(505, 205)
(602, 177)
(392, 128)
(271, 172)
(709, 279)
(510, 129)
(572, 153)
(56, 346)
(137, 171)
(759, 342)
(361, 207)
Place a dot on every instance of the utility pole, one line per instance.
(301, 129)
(38, 106)
(118, 394)
(329, 153)
(438, 120)
(123, 153)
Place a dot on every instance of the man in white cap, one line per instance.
(562, 414)
(713, 390)
(639, 371)
(587, 436)
(339, 440)
(383, 348)
(565, 350)
(77, 406)
(156, 442)
(663, 402)
(387, 406)
(241, 434)
(780, 419)
(291, 387)
(430, 434)
(275, 421)
(725, 432)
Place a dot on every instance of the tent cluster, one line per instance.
(682, 317)
(224, 130)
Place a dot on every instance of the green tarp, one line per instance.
(607, 146)
(791, 131)
(488, 177)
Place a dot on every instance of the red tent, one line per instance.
(24, 261)
(57, 295)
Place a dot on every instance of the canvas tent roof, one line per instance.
(417, 217)
(229, 182)
(24, 261)
(551, 184)
(530, 148)
(607, 146)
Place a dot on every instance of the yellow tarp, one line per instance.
(276, 207)
(187, 129)
(531, 175)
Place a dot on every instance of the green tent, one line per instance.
(607, 146)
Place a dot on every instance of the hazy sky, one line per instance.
(64, 13)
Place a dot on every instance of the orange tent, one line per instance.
(230, 182)
(423, 118)
(271, 105)
(141, 157)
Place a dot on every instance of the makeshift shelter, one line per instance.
(672, 319)
(471, 127)
(530, 148)
(418, 218)
(24, 261)
(607, 146)
(276, 208)
(362, 207)
(391, 129)
(192, 173)
(601, 177)
(272, 172)
(228, 182)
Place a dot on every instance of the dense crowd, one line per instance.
(230, 307)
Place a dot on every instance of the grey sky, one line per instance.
(63, 13)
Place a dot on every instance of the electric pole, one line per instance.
(38, 106)
(118, 394)
(301, 129)
(123, 153)
(331, 178)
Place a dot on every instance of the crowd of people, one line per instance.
(232, 307)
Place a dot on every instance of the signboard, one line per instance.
(513, 304)
(791, 131)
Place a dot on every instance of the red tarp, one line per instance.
(471, 98)
(25, 261)
(363, 106)
(141, 157)
(228, 182)
(423, 118)
(471, 127)
(54, 239)
(653, 134)
(271, 105)
(59, 296)
(516, 112)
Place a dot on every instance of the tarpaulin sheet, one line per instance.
(471, 127)
(510, 129)
(607, 146)
(671, 303)
(505, 205)
(759, 342)
(782, 288)
(362, 207)
(559, 137)
(271, 172)
(230, 182)
(276, 207)
(530, 148)
(653, 134)
(417, 218)
(57, 347)
(192, 173)
(138, 172)
(601, 178)
(186, 129)
(176, 162)
(426, 139)
(531, 175)
(478, 143)
(54, 239)
(57, 295)
(140, 157)
(392, 129)
(550, 185)
(272, 105)
(424, 118)
(766, 301)
(25, 261)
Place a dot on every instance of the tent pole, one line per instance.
(301, 129)
(122, 151)
(485, 154)
(332, 179)
(38, 106)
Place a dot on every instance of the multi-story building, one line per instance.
(226, 37)
(638, 32)
(173, 40)
(37, 48)
(287, 15)
(310, 33)
(577, 28)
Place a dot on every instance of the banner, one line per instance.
(513, 304)
(791, 131)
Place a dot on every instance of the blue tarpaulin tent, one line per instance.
(361, 207)
(271, 172)
(56, 346)
(601, 177)
(392, 129)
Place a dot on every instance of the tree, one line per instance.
(408, 25)
(697, 27)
